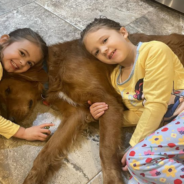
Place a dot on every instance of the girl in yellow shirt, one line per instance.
(21, 50)
(145, 77)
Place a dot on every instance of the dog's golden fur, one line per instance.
(74, 78)
(19, 93)
(18, 97)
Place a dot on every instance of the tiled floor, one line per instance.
(58, 21)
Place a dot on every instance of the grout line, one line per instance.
(94, 177)
(60, 17)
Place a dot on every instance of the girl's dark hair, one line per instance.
(99, 23)
(30, 35)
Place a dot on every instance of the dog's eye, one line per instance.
(8, 91)
(30, 104)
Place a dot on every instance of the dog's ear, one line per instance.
(35, 75)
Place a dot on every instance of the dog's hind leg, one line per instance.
(50, 158)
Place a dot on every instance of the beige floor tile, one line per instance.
(52, 28)
(161, 20)
(9, 5)
(80, 12)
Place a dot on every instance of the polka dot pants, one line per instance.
(159, 158)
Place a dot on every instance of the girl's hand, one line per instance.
(123, 161)
(97, 109)
(34, 133)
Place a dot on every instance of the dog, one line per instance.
(19, 93)
(74, 78)
(68, 92)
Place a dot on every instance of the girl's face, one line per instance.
(108, 45)
(20, 56)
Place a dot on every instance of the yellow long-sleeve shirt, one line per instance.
(7, 128)
(157, 71)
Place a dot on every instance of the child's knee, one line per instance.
(132, 159)
(130, 155)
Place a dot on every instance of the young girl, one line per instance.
(21, 50)
(145, 77)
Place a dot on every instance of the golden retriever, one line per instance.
(18, 97)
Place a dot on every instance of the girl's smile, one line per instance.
(13, 64)
(111, 55)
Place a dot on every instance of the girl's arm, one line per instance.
(9, 129)
(34, 133)
(130, 118)
(158, 85)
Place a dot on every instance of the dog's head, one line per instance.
(18, 97)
